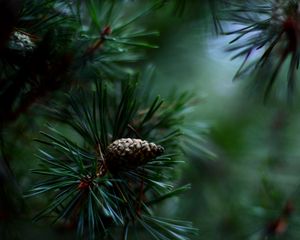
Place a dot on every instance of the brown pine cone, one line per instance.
(129, 153)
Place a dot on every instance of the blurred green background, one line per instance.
(237, 194)
(254, 171)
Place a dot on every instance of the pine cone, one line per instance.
(129, 153)
(21, 42)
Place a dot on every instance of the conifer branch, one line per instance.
(115, 194)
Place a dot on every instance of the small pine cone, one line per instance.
(21, 42)
(129, 153)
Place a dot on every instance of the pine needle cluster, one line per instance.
(266, 35)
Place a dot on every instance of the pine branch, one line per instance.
(52, 43)
(266, 37)
(58, 45)
(88, 190)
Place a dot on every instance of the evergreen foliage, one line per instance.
(79, 54)
(266, 36)
(90, 150)
(100, 201)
